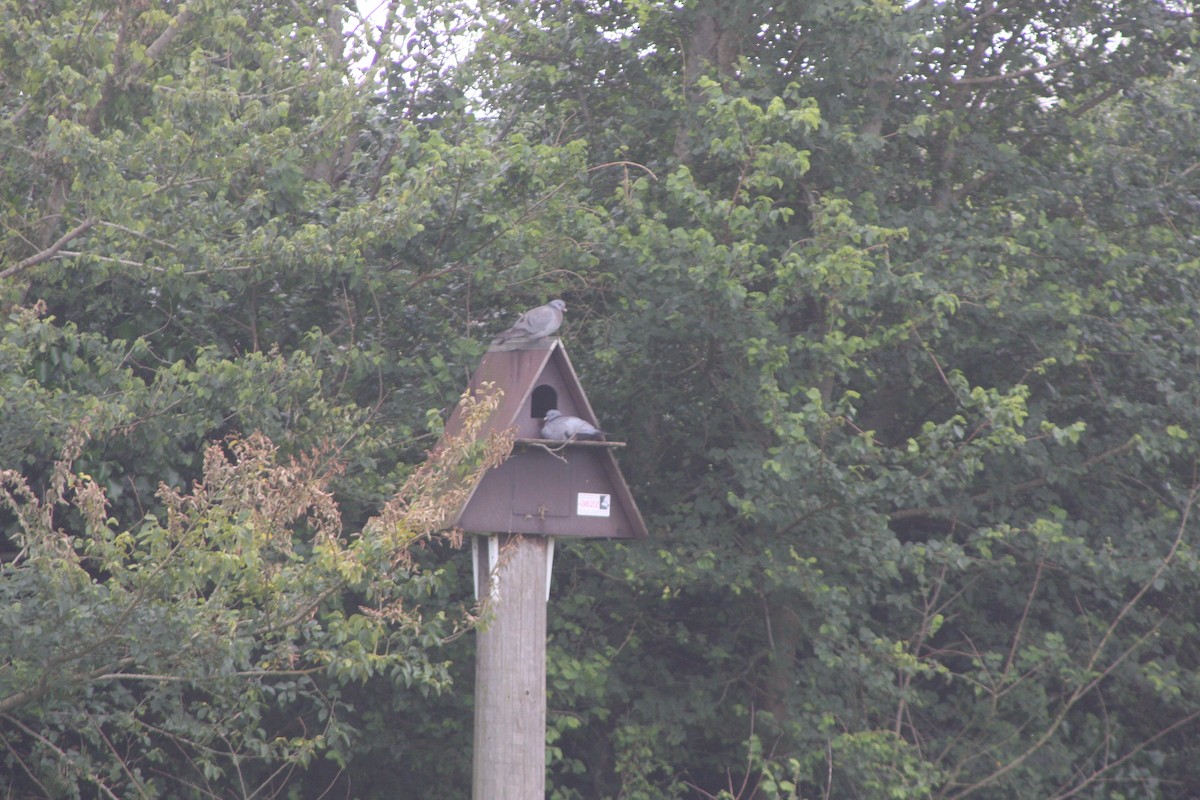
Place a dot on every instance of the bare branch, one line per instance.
(1081, 692)
(63, 756)
(993, 79)
(1073, 791)
(1019, 632)
(137, 67)
(51, 251)
(1024, 486)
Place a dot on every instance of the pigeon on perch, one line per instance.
(537, 323)
(560, 427)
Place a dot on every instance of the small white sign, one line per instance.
(588, 504)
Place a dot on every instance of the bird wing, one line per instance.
(535, 323)
(583, 429)
(543, 320)
(556, 429)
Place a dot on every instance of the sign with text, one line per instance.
(588, 504)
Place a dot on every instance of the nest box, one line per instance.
(544, 487)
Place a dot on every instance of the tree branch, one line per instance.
(51, 251)
(1025, 486)
(139, 66)
(1087, 688)
(1073, 791)
(1001, 78)
(64, 758)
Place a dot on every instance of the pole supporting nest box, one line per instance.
(544, 489)
(485, 558)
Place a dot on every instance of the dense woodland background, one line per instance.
(895, 303)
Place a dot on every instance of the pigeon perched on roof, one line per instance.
(560, 427)
(536, 323)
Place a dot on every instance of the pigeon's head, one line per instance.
(559, 304)
(553, 413)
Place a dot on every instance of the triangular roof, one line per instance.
(551, 488)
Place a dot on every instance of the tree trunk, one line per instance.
(783, 639)
(715, 40)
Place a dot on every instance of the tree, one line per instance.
(894, 353)
(894, 303)
(204, 653)
(224, 276)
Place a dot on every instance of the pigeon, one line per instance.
(563, 428)
(537, 323)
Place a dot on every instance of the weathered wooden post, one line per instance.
(544, 490)
(510, 676)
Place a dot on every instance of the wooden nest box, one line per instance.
(545, 487)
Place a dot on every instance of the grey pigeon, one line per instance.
(560, 427)
(537, 323)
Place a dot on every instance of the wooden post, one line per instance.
(510, 671)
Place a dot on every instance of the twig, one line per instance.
(552, 451)
(63, 756)
(1025, 486)
(1085, 689)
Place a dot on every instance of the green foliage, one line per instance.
(165, 657)
(887, 321)
(893, 302)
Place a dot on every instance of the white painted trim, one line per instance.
(475, 567)
(493, 562)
